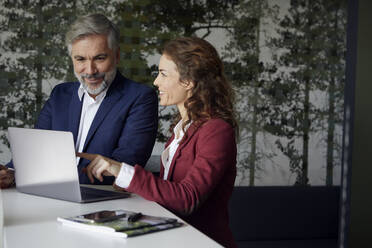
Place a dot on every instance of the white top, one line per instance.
(168, 153)
(88, 112)
(126, 172)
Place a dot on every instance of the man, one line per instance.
(107, 113)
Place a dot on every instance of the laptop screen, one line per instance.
(42, 156)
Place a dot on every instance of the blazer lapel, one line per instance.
(112, 97)
(75, 112)
(190, 132)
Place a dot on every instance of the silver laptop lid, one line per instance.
(45, 163)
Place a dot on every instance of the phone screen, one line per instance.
(102, 216)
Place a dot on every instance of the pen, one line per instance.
(134, 217)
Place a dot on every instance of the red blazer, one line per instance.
(200, 180)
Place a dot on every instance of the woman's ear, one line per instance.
(188, 85)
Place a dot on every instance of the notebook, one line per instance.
(45, 165)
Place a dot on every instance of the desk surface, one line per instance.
(30, 221)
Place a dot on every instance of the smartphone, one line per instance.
(101, 216)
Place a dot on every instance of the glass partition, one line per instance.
(285, 59)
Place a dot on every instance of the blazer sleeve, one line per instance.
(215, 152)
(139, 130)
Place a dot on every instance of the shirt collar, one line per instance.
(178, 128)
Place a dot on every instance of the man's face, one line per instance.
(94, 63)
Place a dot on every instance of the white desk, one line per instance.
(1, 221)
(30, 221)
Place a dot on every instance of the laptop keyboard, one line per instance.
(91, 193)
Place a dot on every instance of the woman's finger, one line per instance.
(89, 171)
(88, 156)
(102, 167)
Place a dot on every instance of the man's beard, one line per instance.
(108, 77)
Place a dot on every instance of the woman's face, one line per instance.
(171, 90)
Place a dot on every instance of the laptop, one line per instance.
(45, 165)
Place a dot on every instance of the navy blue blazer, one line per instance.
(123, 129)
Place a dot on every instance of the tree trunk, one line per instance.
(39, 65)
(331, 114)
(253, 152)
(305, 136)
(252, 157)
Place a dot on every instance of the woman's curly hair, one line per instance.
(212, 95)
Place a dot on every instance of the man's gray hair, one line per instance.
(90, 25)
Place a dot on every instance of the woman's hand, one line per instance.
(99, 166)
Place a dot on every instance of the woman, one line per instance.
(199, 163)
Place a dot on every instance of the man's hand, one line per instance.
(99, 166)
(6, 177)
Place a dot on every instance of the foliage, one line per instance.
(247, 72)
(302, 51)
(334, 74)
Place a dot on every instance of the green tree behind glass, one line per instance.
(302, 50)
(334, 76)
(34, 46)
(247, 72)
